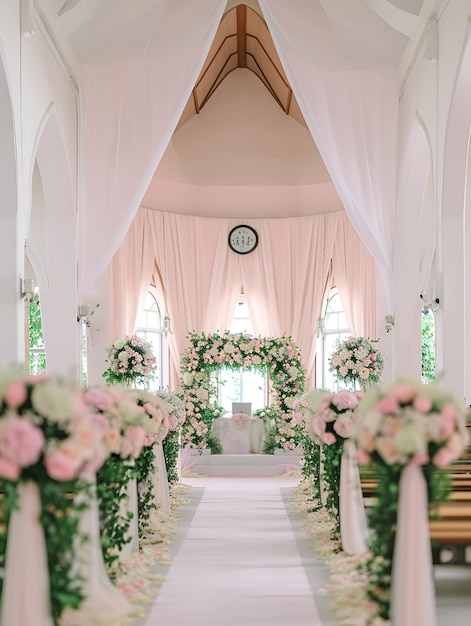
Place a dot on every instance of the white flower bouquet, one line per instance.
(357, 360)
(130, 360)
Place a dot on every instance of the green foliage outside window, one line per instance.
(37, 361)
(428, 348)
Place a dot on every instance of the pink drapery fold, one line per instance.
(132, 269)
(412, 587)
(354, 274)
(352, 116)
(353, 526)
(131, 108)
(25, 596)
(302, 252)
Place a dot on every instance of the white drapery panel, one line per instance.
(284, 278)
(351, 113)
(132, 95)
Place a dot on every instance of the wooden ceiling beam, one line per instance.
(242, 34)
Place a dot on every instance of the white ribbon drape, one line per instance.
(353, 526)
(25, 596)
(103, 603)
(412, 588)
(160, 486)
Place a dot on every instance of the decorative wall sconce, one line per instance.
(432, 305)
(166, 328)
(27, 289)
(389, 323)
(84, 314)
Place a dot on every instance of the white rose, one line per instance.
(54, 402)
(202, 394)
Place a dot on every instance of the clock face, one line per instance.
(243, 239)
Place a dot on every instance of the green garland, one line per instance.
(112, 480)
(145, 468)
(60, 518)
(331, 476)
(311, 468)
(171, 447)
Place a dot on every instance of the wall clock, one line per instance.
(243, 239)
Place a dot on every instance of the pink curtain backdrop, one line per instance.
(284, 279)
(354, 274)
(350, 111)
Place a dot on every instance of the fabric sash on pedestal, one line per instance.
(130, 504)
(103, 602)
(412, 587)
(353, 526)
(25, 596)
(160, 486)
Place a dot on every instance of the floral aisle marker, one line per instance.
(357, 360)
(50, 447)
(409, 432)
(330, 419)
(131, 360)
(279, 357)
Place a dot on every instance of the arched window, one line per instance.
(150, 323)
(242, 385)
(332, 328)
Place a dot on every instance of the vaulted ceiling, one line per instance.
(241, 147)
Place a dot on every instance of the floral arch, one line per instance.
(279, 357)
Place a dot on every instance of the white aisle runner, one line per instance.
(238, 564)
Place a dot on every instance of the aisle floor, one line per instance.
(239, 564)
(242, 559)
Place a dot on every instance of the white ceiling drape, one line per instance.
(351, 111)
(137, 74)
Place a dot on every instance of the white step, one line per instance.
(245, 464)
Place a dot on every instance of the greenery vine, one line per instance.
(145, 468)
(171, 447)
(311, 468)
(112, 480)
(332, 457)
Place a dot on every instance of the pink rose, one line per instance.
(344, 400)
(343, 426)
(173, 421)
(449, 420)
(422, 404)
(15, 394)
(60, 466)
(98, 398)
(403, 393)
(318, 426)
(133, 442)
(9, 470)
(21, 441)
(328, 438)
(387, 405)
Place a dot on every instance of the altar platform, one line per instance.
(260, 465)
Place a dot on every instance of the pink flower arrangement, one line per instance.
(45, 422)
(333, 416)
(410, 422)
(357, 360)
